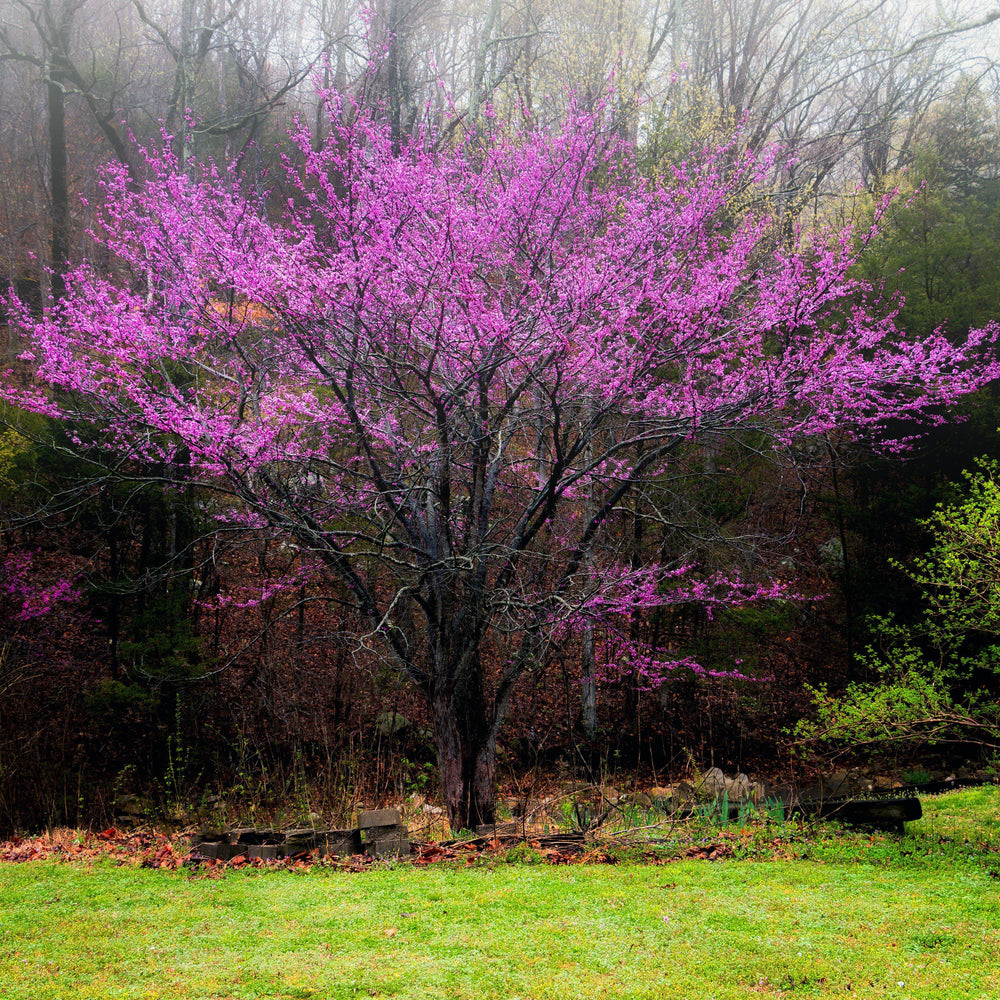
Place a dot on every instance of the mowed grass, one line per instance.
(902, 923)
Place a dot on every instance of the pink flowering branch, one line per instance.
(30, 600)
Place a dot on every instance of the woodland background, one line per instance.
(124, 683)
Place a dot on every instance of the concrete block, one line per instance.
(383, 832)
(266, 852)
(338, 842)
(378, 817)
(390, 847)
(299, 841)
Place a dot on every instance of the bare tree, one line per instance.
(227, 70)
(841, 86)
(44, 35)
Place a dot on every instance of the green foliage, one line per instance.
(161, 644)
(934, 678)
(907, 704)
(13, 450)
(939, 249)
(940, 245)
(19, 456)
(693, 121)
(523, 854)
(961, 573)
(109, 702)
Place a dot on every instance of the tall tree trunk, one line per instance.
(588, 683)
(588, 666)
(58, 183)
(466, 750)
(399, 86)
(60, 27)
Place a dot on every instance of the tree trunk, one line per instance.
(60, 26)
(466, 750)
(588, 666)
(58, 185)
(588, 684)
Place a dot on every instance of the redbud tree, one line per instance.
(445, 371)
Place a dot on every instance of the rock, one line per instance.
(265, 852)
(429, 810)
(891, 813)
(737, 789)
(134, 806)
(253, 835)
(832, 555)
(642, 800)
(216, 850)
(685, 791)
(712, 783)
(841, 783)
(881, 783)
(391, 723)
(496, 829)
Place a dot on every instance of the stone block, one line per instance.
(739, 788)
(253, 835)
(300, 841)
(497, 829)
(338, 842)
(712, 783)
(383, 832)
(879, 812)
(388, 847)
(661, 794)
(378, 817)
(265, 852)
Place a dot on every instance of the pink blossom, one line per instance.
(442, 371)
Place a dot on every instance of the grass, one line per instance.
(958, 829)
(863, 916)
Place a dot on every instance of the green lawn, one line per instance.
(900, 923)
